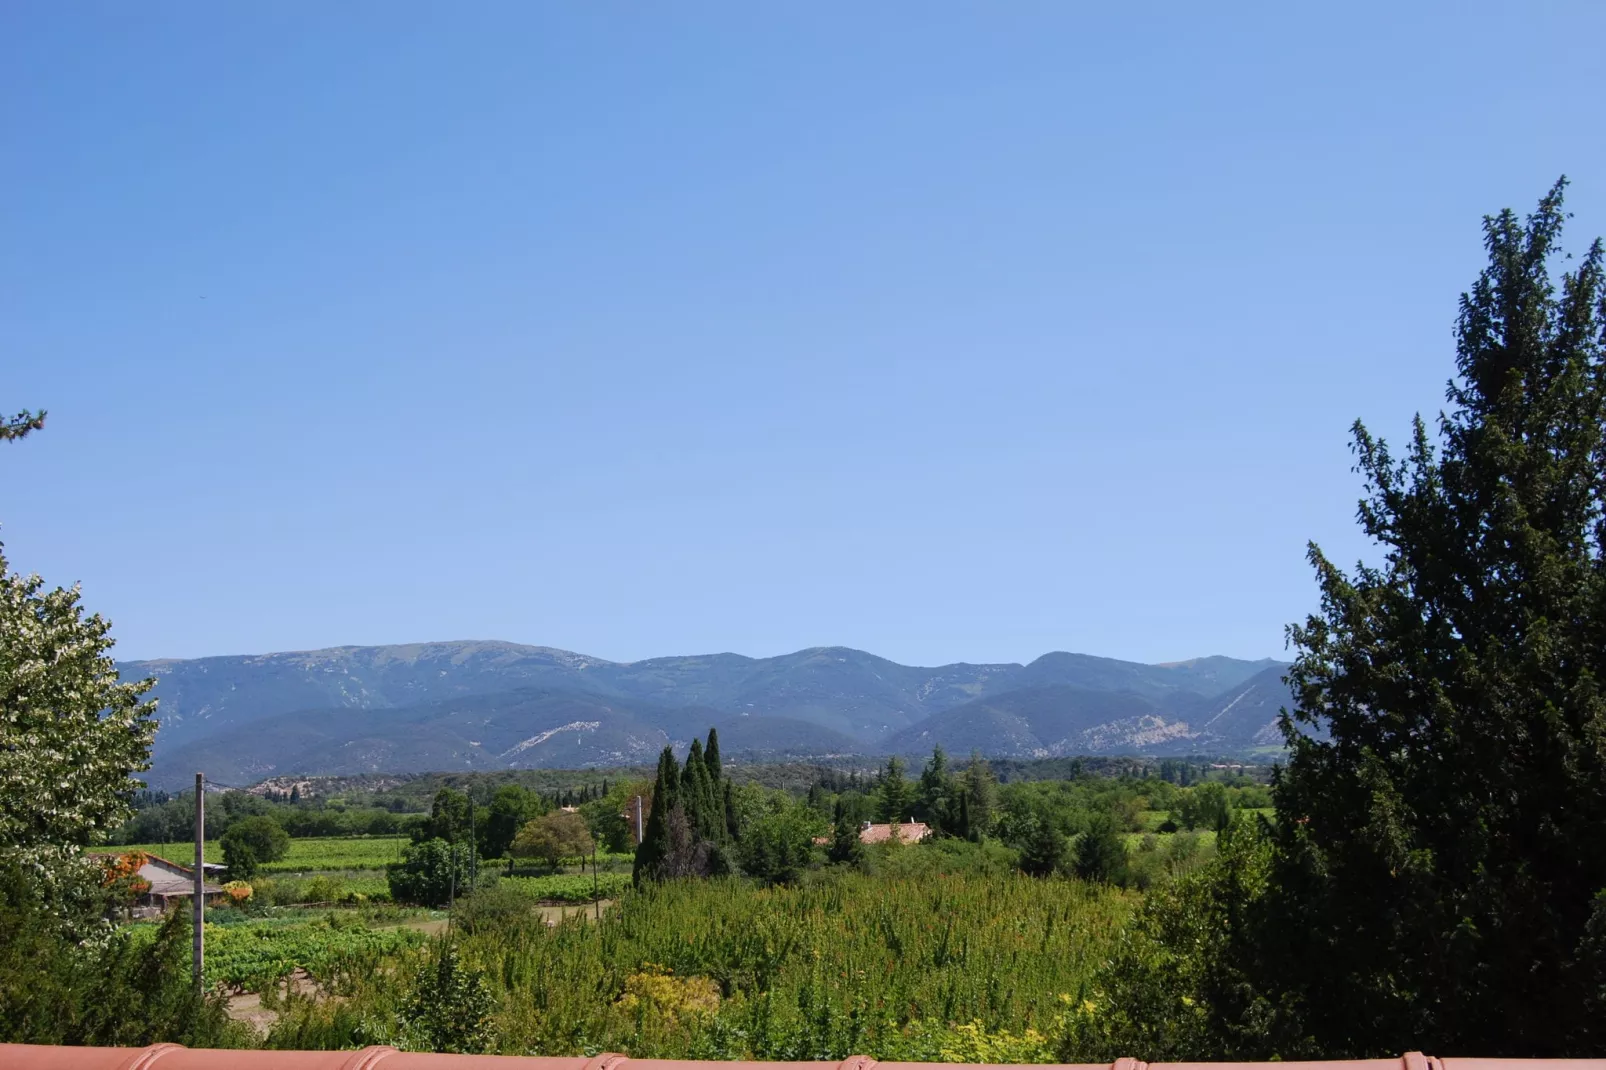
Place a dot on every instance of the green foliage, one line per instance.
(451, 1006)
(895, 798)
(846, 848)
(568, 887)
(19, 426)
(252, 842)
(1101, 852)
(1173, 988)
(837, 964)
(335, 853)
(1448, 824)
(253, 954)
(67, 979)
(979, 792)
(1042, 851)
(512, 807)
(1432, 878)
(1204, 807)
(450, 817)
(71, 733)
(779, 846)
(690, 824)
(431, 873)
(653, 851)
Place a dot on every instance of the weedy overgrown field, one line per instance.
(943, 967)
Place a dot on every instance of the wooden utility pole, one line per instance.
(199, 906)
(639, 833)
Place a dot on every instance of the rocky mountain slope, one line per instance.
(471, 704)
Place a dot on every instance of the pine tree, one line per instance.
(1101, 852)
(894, 798)
(846, 847)
(1043, 854)
(981, 794)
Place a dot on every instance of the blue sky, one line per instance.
(952, 331)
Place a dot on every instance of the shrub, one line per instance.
(451, 1006)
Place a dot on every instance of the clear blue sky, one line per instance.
(952, 331)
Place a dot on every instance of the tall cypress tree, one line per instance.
(703, 810)
(654, 846)
(711, 757)
(733, 830)
(1437, 871)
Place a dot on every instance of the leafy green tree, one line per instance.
(250, 842)
(431, 872)
(895, 799)
(512, 807)
(779, 846)
(1447, 820)
(1101, 852)
(554, 837)
(71, 733)
(449, 818)
(701, 797)
(1204, 806)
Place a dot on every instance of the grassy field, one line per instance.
(306, 856)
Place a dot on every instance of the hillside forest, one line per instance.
(1416, 865)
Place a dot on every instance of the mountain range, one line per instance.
(495, 705)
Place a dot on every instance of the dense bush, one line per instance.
(65, 978)
(430, 873)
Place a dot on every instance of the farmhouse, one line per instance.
(168, 882)
(910, 831)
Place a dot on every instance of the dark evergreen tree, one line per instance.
(655, 846)
(895, 799)
(1433, 879)
(711, 757)
(704, 807)
(1043, 853)
(935, 803)
(846, 847)
(1101, 852)
(732, 823)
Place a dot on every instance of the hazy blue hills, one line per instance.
(476, 704)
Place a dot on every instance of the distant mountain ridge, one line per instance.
(426, 706)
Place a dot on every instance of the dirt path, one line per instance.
(247, 1006)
